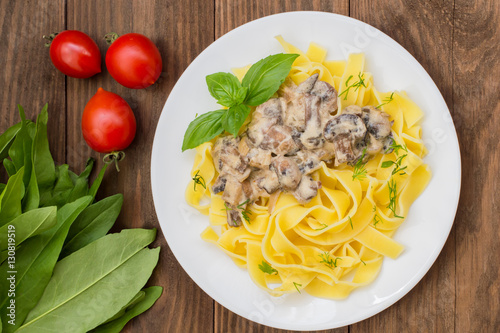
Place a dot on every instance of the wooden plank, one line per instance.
(476, 94)
(181, 30)
(229, 15)
(425, 29)
(28, 76)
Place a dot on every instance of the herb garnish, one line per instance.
(297, 284)
(386, 100)
(359, 168)
(396, 147)
(350, 222)
(324, 226)
(329, 262)
(398, 168)
(198, 179)
(364, 263)
(355, 85)
(244, 212)
(259, 84)
(376, 220)
(266, 268)
(392, 197)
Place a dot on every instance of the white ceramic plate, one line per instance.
(424, 232)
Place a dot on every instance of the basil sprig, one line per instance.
(261, 81)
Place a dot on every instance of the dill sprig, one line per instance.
(376, 220)
(296, 286)
(266, 268)
(329, 262)
(227, 208)
(324, 226)
(392, 197)
(245, 212)
(386, 100)
(396, 147)
(355, 85)
(359, 168)
(397, 164)
(198, 179)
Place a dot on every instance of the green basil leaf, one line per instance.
(28, 225)
(10, 199)
(234, 117)
(7, 138)
(387, 164)
(203, 128)
(35, 261)
(94, 283)
(265, 77)
(97, 182)
(149, 298)
(93, 223)
(226, 89)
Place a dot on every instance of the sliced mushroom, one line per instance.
(312, 138)
(308, 162)
(233, 192)
(259, 158)
(377, 122)
(307, 189)
(287, 171)
(278, 140)
(353, 109)
(228, 159)
(233, 217)
(219, 185)
(307, 85)
(266, 180)
(328, 96)
(387, 143)
(345, 131)
(273, 108)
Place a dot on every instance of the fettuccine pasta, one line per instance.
(337, 241)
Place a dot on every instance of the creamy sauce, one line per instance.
(287, 139)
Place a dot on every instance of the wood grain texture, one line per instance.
(27, 76)
(181, 31)
(229, 15)
(476, 94)
(425, 29)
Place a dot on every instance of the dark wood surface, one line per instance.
(457, 42)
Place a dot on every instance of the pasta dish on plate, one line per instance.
(308, 192)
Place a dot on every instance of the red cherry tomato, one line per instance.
(108, 123)
(75, 54)
(134, 61)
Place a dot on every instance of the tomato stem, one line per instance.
(115, 156)
(111, 37)
(49, 39)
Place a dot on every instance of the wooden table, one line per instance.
(457, 41)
